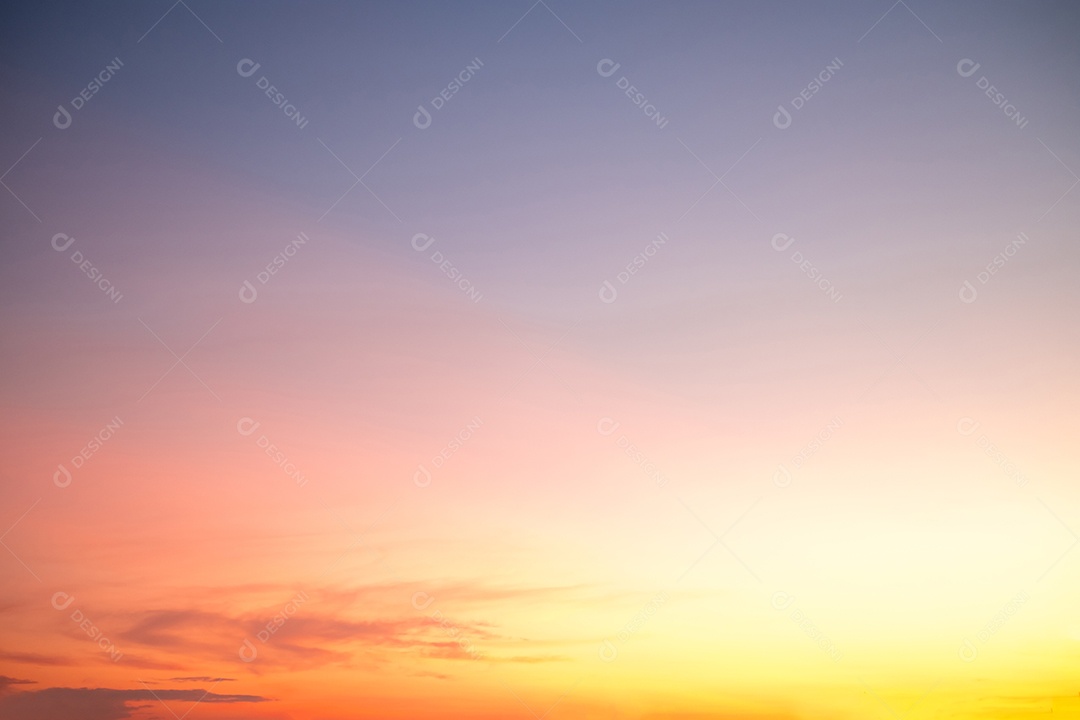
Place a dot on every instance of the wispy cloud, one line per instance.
(334, 624)
(6, 682)
(35, 658)
(60, 703)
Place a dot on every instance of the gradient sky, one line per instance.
(748, 394)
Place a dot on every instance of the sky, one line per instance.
(540, 360)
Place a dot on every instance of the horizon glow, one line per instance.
(540, 360)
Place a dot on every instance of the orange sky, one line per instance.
(717, 418)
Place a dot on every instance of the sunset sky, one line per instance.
(540, 360)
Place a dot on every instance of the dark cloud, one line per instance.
(101, 703)
(6, 682)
